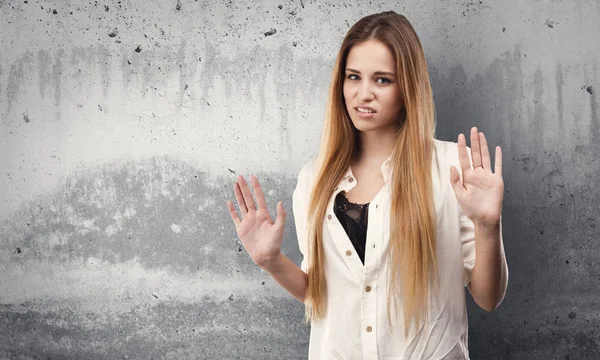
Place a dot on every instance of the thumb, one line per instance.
(280, 220)
(455, 181)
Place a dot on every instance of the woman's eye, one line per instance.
(379, 80)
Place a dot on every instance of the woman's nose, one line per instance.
(365, 92)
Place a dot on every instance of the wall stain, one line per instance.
(134, 220)
(207, 329)
(545, 208)
(559, 102)
(56, 77)
(1, 77)
(16, 77)
(120, 212)
(45, 78)
(200, 68)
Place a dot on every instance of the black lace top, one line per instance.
(353, 218)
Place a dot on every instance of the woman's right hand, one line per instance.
(259, 234)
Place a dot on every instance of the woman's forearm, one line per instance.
(489, 277)
(288, 275)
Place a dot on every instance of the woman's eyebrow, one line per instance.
(375, 73)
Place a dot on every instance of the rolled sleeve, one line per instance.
(467, 243)
(300, 221)
(299, 201)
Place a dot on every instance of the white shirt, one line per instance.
(356, 325)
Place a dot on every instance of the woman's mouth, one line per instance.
(364, 112)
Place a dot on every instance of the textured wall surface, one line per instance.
(125, 123)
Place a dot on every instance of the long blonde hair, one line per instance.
(412, 247)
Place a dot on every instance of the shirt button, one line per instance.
(376, 206)
(348, 252)
(350, 179)
(369, 329)
(329, 216)
(368, 288)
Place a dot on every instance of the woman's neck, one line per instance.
(375, 147)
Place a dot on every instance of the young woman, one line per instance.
(392, 223)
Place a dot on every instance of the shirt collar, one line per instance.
(386, 169)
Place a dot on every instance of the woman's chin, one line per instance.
(367, 125)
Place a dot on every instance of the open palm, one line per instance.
(260, 236)
(481, 193)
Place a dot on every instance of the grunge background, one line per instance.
(125, 123)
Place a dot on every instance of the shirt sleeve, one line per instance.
(467, 241)
(299, 200)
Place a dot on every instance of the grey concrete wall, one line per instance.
(125, 123)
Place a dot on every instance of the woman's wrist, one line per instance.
(487, 227)
(272, 263)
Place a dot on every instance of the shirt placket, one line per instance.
(338, 234)
(366, 275)
(369, 281)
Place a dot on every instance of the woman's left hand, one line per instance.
(481, 192)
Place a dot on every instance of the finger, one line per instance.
(247, 194)
(475, 149)
(485, 152)
(260, 196)
(233, 213)
(462, 153)
(498, 161)
(280, 220)
(455, 181)
(240, 198)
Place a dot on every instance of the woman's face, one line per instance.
(370, 83)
